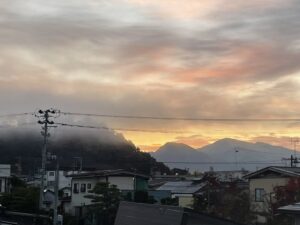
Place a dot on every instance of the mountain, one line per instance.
(177, 152)
(225, 154)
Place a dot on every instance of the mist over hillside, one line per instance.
(102, 149)
(225, 154)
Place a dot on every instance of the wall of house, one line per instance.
(184, 200)
(78, 199)
(122, 183)
(64, 181)
(5, 173)
(268, 184)
(5, 170)
(2, 184)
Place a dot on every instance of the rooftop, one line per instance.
(105, 173)
(290, 209)
(181, 187)
(286, 171)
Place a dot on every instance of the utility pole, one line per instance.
(293, 161)
(236, 157)
(44, 120)
(55, 214)
(294, 142)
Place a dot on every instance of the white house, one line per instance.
(83, 183)
(64, 179)
(5, 175)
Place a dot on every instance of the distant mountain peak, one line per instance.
(176, 144)
(222, 155)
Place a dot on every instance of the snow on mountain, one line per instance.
(225, 154)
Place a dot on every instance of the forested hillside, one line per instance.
(98, 150)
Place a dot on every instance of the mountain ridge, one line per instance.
(224, 154)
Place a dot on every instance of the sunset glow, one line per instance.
(157, 58)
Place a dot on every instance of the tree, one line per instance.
(23, 199)
(284, 195)
(106, 199)
(226, 200)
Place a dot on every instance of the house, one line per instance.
(262, 184)
(184, 191)
(229, 176)
(64, 176)
(5, 175)
(137, 214)
(83, 183)
(292, 210)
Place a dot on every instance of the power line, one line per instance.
(15, 115)
(223, 163)
(17, 125)
(121, 129)
(185, 118)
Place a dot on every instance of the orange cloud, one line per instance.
(195, 9)
(284, 141)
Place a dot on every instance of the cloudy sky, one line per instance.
(170, 58)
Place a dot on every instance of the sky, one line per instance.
(171, 58)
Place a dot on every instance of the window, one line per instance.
(76, 188)
(51, 174)
(259, 194)
(83, 187)
(89, 186)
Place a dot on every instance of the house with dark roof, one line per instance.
(83, 183)
(262, 184)
(148, 214)
(291, 210)
(184, 191)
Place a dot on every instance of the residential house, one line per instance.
(229, 176)
(261, 187)
(138, 214)
(184, 191)
(64, 176)
(5, 175)
(292, 210)
(83, 183)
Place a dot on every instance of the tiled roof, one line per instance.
(104, 173)
(287, 171)
(181, 187)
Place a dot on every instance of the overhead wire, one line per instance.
(16, 115)
(120, 129)
(223, 163)
(18, 125)
(186, 118)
